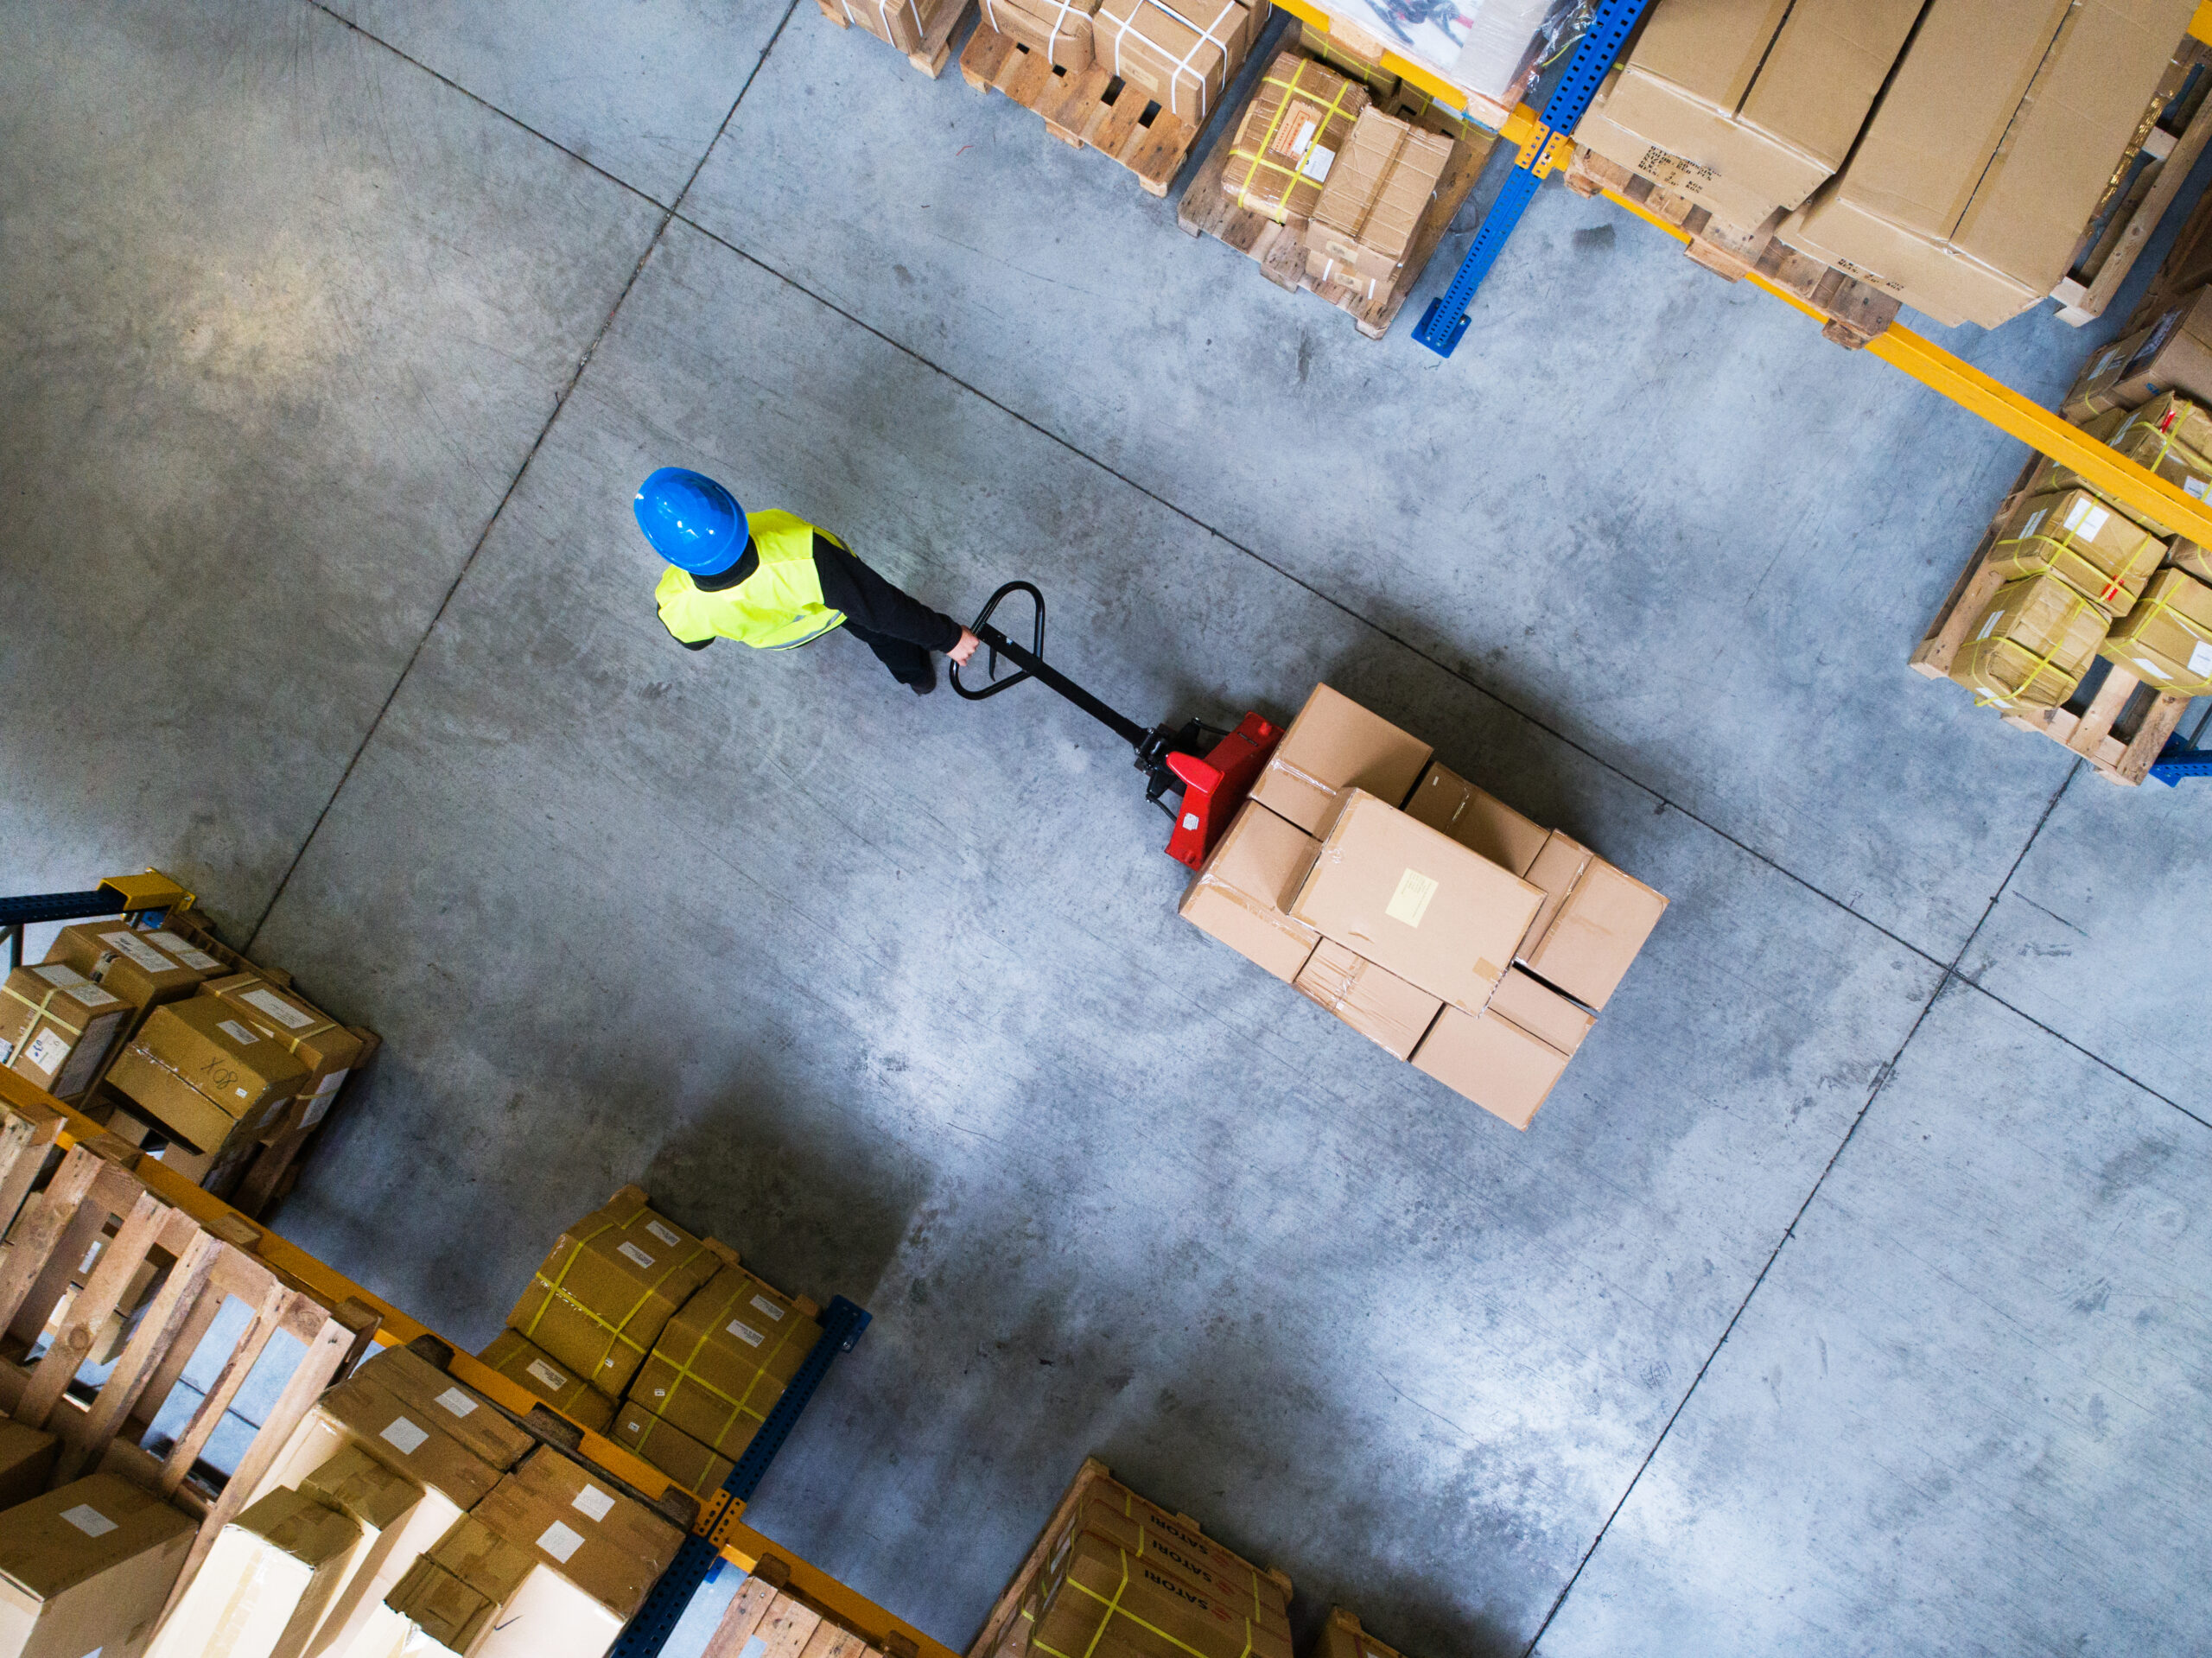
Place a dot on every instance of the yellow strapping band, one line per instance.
(1258, 158)
(1985, 697)
(617, 1332)
(39, 1010)
(737, 1407)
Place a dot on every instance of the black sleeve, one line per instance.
(868, 599)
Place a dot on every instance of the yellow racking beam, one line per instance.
(739, 1544)
(2040, 428)
(2201, 25)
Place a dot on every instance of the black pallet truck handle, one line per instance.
(992, 638)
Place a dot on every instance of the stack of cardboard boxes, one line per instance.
(1421, 911)
(1181, 53)
(906, 24)
(662, 1341)
(407, 1513)
(1061, 29)
(2084, 577)
(1949, 152)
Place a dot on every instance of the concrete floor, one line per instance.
(1849, 1295)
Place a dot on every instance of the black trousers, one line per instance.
(908, 662)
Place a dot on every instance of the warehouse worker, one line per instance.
(774, 582)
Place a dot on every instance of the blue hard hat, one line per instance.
(691, 521)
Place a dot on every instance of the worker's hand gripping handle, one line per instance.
(996, 641)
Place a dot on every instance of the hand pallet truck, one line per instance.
(1210, 770)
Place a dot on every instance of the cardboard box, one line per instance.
(487, 1595)
(88, 1568)
(1415, 902)
(2166, 640)
(1747, 106)
(2096, 549)
(398, 1521)
(2173, 354)
(1491, 1060)
(1542, 1010)
(1366, 215)
(326, 1048)
(1554, 870)
(1060, 29)
(1594, 936)
(1990, 148)
(265, 1586)
(534, 1368)
(128, 963)
(206, 1075)
(1291, 137)
(1329, 272)
(1450, 804)
(1240, 892)
(26, 1458)
(1183, 54)
(675, 1453)
(2031, 646)
(723, 1360)
(607, 1544)
(1332, 747)
(1380, 1006)
(2135, 434)
(1100, 1596)
(56, 1026)
(405, 1437)
(440, 1615)
(2185, 554)
(609, 1288)
(1175, 1542)
(903, 23)
(463, 1415)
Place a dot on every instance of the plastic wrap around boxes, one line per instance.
(1422, 912)
(657, 1339)
(408, 1514)
(2084, 577)
(1948, 153)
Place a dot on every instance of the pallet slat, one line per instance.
(1089, 109)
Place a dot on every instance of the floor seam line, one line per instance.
(1335, 604)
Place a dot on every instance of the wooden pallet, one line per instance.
(2115, 722)
(1853, 312)
(92, 1194)
(1089, 109)
(2171, 135)
(937, 43)
(769, 1617)
(1007, 1608)
(1207, 209)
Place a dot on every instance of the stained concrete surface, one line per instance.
(889, 994)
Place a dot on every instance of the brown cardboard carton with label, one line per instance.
(558, 1386)
(1175, 1542)
(56, 1026)
(607, 1544)
(129, 962)
(1989, 149)
(1380, 1006)
(1447, 802)
(724, 1360)
(267, 1582)
(2031, 644)
(1060, 28)
(407, 1438)
(2096, 549)
(1333, 747)
(1180, 51)
(675, 1453)
(2166, 640)
(206, 1075)
(484, 1594)
(1291, 137)
(2174, 353)
(2134, 434)
(1099, 1596)
(1595, 935)
(1415, 902)
(1239, 893)
(1377, 191)
(609, 1288)
(86, 1568)
(398, 1522)
(464, 1414)
(1747, 106)
(326, 1048)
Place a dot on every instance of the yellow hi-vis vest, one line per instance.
(776, 607)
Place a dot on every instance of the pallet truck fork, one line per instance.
(1211, 770)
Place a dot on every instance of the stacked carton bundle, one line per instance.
(906, 24)
(1061, 29)
(85, 1568)
(2084, 577)
(1365, 216)
(407, 1513)
(660, 1340)
(1182, 53)
(1948, 153)
(1421, 911)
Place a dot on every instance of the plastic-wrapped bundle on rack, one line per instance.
(1505, 40)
